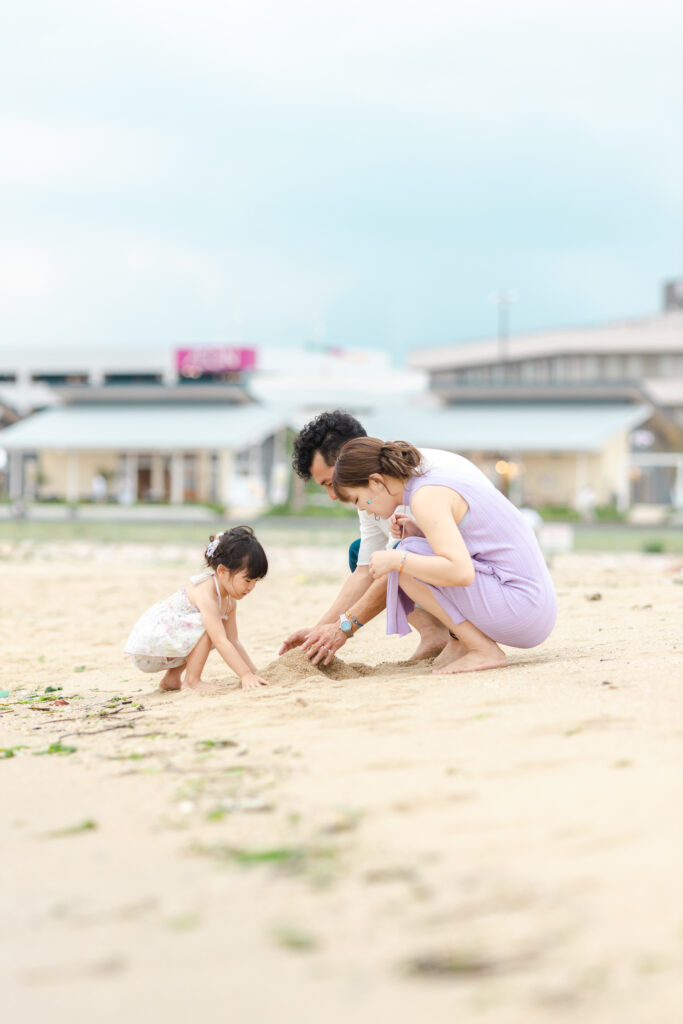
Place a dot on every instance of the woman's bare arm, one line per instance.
(437, 511)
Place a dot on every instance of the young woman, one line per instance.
(469, 557)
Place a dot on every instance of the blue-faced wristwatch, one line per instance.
(346, 622)
(346, 625)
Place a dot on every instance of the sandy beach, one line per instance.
(371, 843)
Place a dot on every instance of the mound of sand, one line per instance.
(294, 667)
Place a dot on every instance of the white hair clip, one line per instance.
(213, 544)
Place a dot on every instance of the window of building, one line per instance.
(591, 368)
(575, 368)
(211, 378)
(60, 379)
(633, 367)
(543, 370)
(615, 368)
(191, 477)
(528, 371)
(133, 378)
(214, 476)
(558, 368)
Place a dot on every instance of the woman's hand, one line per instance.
(323, 643)
(384, 562)
(250, 681)
(403, 525)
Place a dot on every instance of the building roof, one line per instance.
(141, 394)
(508, 428)
(137, 428)
(665, 391)
(24, 398)
(662, 333)
(493, 427)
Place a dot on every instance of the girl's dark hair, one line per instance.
(325, 434)
(237, 549)
(359, 459)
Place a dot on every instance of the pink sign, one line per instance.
(193, 362)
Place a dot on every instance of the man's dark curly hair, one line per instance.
(325, 434)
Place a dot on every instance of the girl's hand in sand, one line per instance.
(294, 639)
(323, 643)
(402, 525)
(383, 562)
(251, 681)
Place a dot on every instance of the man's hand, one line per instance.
(323, 643)
(402, 525)
(383, 562)
(294, 639)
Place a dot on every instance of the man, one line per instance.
(316, 449)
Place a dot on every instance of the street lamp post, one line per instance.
(503, 300)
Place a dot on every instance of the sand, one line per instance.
(365, 843)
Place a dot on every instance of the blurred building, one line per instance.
(569, 417)
(203, 424)
(176, 426)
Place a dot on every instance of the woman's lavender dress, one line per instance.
(512, 599)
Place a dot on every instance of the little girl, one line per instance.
(177, 634)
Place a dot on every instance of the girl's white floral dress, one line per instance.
(164, 636)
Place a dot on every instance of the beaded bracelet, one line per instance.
(403, 558)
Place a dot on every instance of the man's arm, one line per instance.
(372, 538)
(357, 584)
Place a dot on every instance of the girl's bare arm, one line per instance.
(205, 600)
(231, 633)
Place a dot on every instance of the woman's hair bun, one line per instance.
(398, 458)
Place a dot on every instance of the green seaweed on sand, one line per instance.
(6, 752)
(291, 937)
(293, 859)
(462, 963)
(36, 698)
(456, 963)
(204, 745)
(87, 825)
(56, 748)
(135, 756)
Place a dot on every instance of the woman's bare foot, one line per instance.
(476, 661)
(202, 686)
(453, 649)
(171, 681)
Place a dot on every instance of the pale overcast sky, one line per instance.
(352, 173)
